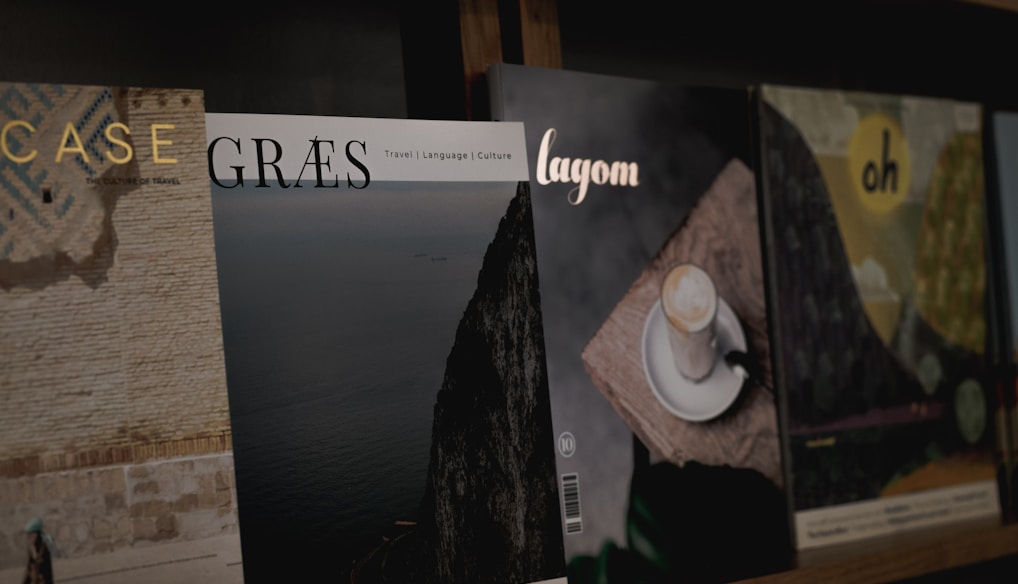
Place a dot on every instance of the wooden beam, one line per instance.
(481, 40)
(539, 31)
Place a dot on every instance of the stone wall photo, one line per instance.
(114, 418)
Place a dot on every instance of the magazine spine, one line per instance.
(1000, 335)
(764, 198)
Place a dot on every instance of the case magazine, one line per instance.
(116, 448)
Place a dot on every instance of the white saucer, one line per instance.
(693, 401)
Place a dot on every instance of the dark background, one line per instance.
(396, 58)
(925, 47)
(401, 59)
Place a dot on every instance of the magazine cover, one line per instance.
(652, 294)
(116, 458)
(383, 348)
(876, 226)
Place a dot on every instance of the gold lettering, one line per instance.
(7, 150)
(79, 148)
(129, 151)
(156, 142)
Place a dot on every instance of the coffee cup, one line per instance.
(689, 301)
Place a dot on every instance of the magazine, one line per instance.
(652, 294)
(1005, 142)
(875, 226)
(384, 351)
(116, 457)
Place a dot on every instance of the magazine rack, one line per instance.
(485, 32)
(915, 554)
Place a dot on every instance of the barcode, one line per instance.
(571, 500)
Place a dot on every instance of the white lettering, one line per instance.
(624, 174)
(563, 169)
(542, 156)
(581, 171)
(599, 172)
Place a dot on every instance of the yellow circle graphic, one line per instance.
(879, 164)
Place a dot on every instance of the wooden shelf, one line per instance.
(1011, 5)
(908, 555)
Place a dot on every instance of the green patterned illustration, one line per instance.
(950, 270)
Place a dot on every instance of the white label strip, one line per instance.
(876, 517)
(348, 152)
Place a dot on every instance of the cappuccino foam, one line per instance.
(688, 298)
